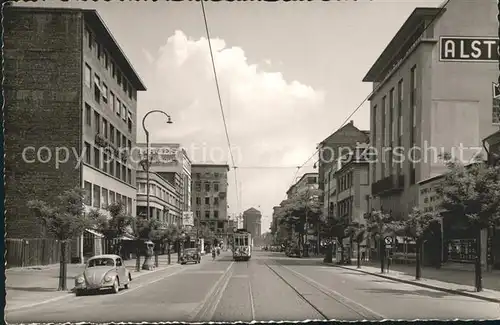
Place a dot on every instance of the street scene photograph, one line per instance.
(251, 161)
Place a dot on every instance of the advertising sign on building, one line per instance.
(187, 218)
(468, 49)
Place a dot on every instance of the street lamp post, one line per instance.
(169, 121)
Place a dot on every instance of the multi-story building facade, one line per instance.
(171, 162)
(164, 200)
(252, 221)
(65, 71)
(337, 144)
(209, 196)
(432, 89)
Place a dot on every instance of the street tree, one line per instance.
(167, 235)
(114, 226)
(380, 224)
(301, 209)
(417, 226)
(63, 220)
(145, 230)
(357, 232)
(340, 231)
(472, 192)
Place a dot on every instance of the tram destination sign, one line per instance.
(468, 49)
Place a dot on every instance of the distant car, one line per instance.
(190, 255)
(103, 272)
(293, 251)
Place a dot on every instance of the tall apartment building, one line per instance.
(70, 91)
(171, 162)
(209, 196)
(252, 221)
(432, 87)
(337, 144)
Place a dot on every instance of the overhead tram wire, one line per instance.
(442, 7)
(220, 101)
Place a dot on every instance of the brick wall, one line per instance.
(43, 83)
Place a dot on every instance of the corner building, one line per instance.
(432, 87)
(68, 85)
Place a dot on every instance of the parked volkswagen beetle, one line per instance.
(103, 272)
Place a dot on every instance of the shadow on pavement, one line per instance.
(418, 292)
(355, 273)
(300, 261)
(32, 289)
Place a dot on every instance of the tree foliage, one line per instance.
(66, 218)
(145, 228)
(379, 223)
(471, 191)
(357, 231)
(418, 223)
(292, 211)
(116, 224)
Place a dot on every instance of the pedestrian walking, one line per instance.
(213, 253)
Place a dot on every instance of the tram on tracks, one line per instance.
(242, 245)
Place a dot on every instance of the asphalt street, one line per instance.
(268, 287)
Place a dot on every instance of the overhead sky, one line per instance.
(290, 74)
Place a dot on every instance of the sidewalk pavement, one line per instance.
(457, 281)
(31, 286)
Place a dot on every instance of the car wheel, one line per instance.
(116, 286)
(79, 293)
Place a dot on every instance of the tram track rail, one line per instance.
(352, 306)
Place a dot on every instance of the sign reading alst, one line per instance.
(468, 49)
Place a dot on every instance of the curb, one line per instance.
(420, 284)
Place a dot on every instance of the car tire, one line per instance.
(79, 293)
(116, 286)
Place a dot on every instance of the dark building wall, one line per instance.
(43, 82)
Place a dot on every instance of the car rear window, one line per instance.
(101, 262)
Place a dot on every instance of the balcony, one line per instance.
(389, 185)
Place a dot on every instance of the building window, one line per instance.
(207, 187)
(124, 141)
(88, 75)
(111, 133)
(87, 153)
(87, 37)
(207, 214)
(198, 200)
(106, 162)
(97, 122)
(112, 100)
(216, 201)
(87, 199)
(124, 112)
(97, 88)
(104, 93)
(111, 166)
(198, 214)
(106, 59)
(216, 187)
(129, 176)
(125, 85)
(129, 205)
(88, 114)
(207, 200)
(113, 68)
(118, 77)
(97, 197)
(413, 94)
(392, 116)
(105, 128)
(198, 186)
(400, 106)
(118, 106)
(129, 122)
(104, 198)
(216, 214)
(374, 126)
(97, 158)
(141, 187)
(99, 50)
(117, 170)
(124, 173)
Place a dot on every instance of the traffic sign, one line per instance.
(388, 240)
